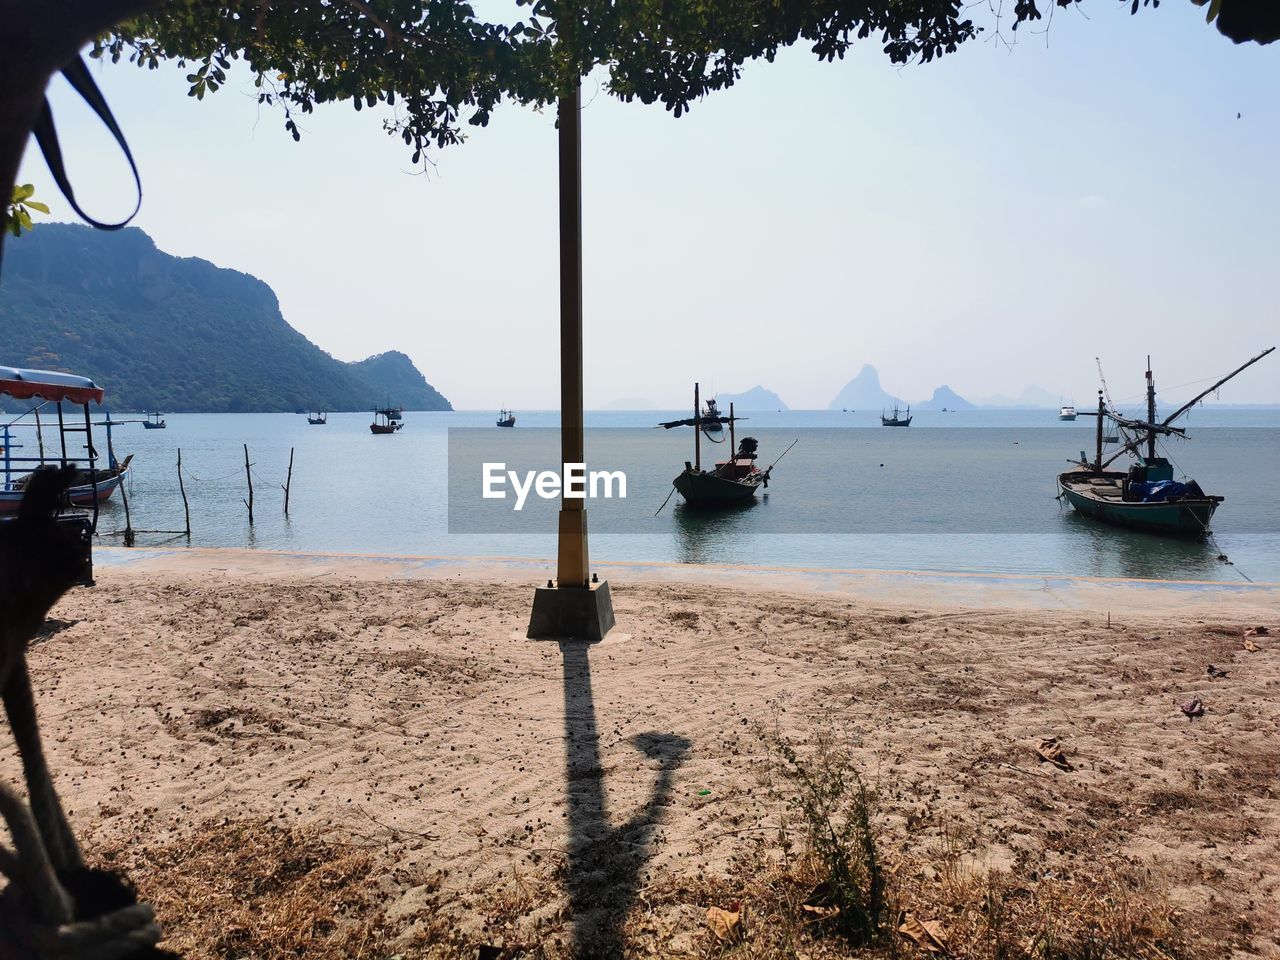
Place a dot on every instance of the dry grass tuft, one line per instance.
(253, 890)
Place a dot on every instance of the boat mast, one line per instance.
(733, 449)
(1102, 412)
(1200, 396)
(1151, 412)
(697, 431)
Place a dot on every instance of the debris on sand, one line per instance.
(1216, 672)
(726, 925)
(1193, 708)
(1048, 749)
(929, 935)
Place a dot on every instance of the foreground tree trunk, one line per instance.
(38, 37)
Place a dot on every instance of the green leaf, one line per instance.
(37, 205)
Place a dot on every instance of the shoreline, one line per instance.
(916, 588)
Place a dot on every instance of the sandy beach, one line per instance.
(465, 787)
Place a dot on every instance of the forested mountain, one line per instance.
(174, 333)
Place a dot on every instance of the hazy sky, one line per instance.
(987, 221)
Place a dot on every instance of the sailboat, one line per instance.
(506, 418)
(1146, 496)
(731, 482)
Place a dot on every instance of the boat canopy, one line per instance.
(48, 385)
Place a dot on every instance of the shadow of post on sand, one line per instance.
(604, 861)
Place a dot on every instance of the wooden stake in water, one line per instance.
(40, 436)
(287, 481)
(183, 490)
(249, 477)
(124, 498)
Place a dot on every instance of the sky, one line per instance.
(994, 219)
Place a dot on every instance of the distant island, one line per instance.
(864, 392)
(757, 398)
(159, 332)
(944, 398)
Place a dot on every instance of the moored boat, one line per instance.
(386, 420)
(897, 420)
(71, 448)
(317, 418)
(154, 421)
(712, 418)
(731, 482)
(1145, 496)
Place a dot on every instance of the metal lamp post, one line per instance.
(573, 607)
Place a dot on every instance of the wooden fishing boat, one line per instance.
(317, 418)
(154, 421)
(897, 420)
(1145, 496)
(92, 484)
(386, 420)
(731, 482)
(506, 418)
(711, 416)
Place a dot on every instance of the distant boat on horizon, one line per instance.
(1068, 412)
(386, 420)
(897, 420)
(318, 418)
(154, 421)
(506, 418)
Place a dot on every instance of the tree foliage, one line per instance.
(440, 67)
(17, 215)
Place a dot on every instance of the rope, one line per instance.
(1222, 556)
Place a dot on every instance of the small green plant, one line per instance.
(836, 809)
(17, 216)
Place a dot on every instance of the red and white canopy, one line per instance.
(48, 385)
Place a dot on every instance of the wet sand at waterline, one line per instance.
(534, 795)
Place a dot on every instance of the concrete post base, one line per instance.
(571, 613)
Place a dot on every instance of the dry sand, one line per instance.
(397, 705)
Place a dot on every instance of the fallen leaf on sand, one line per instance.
(1257, 632)
(725, 924)
(1193, 708)
(1049, 749)
(1251, 646)
(930, 935)
(821, 912)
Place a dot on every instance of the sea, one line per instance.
(966, 491)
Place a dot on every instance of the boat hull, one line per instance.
(80, 495)
(148, 425)
(379, 428)
(895, 423)
(1179, 518)
(708, 490)
(1066, 416)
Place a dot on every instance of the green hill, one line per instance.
(176, 333)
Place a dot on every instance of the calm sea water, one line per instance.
(969, 491)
